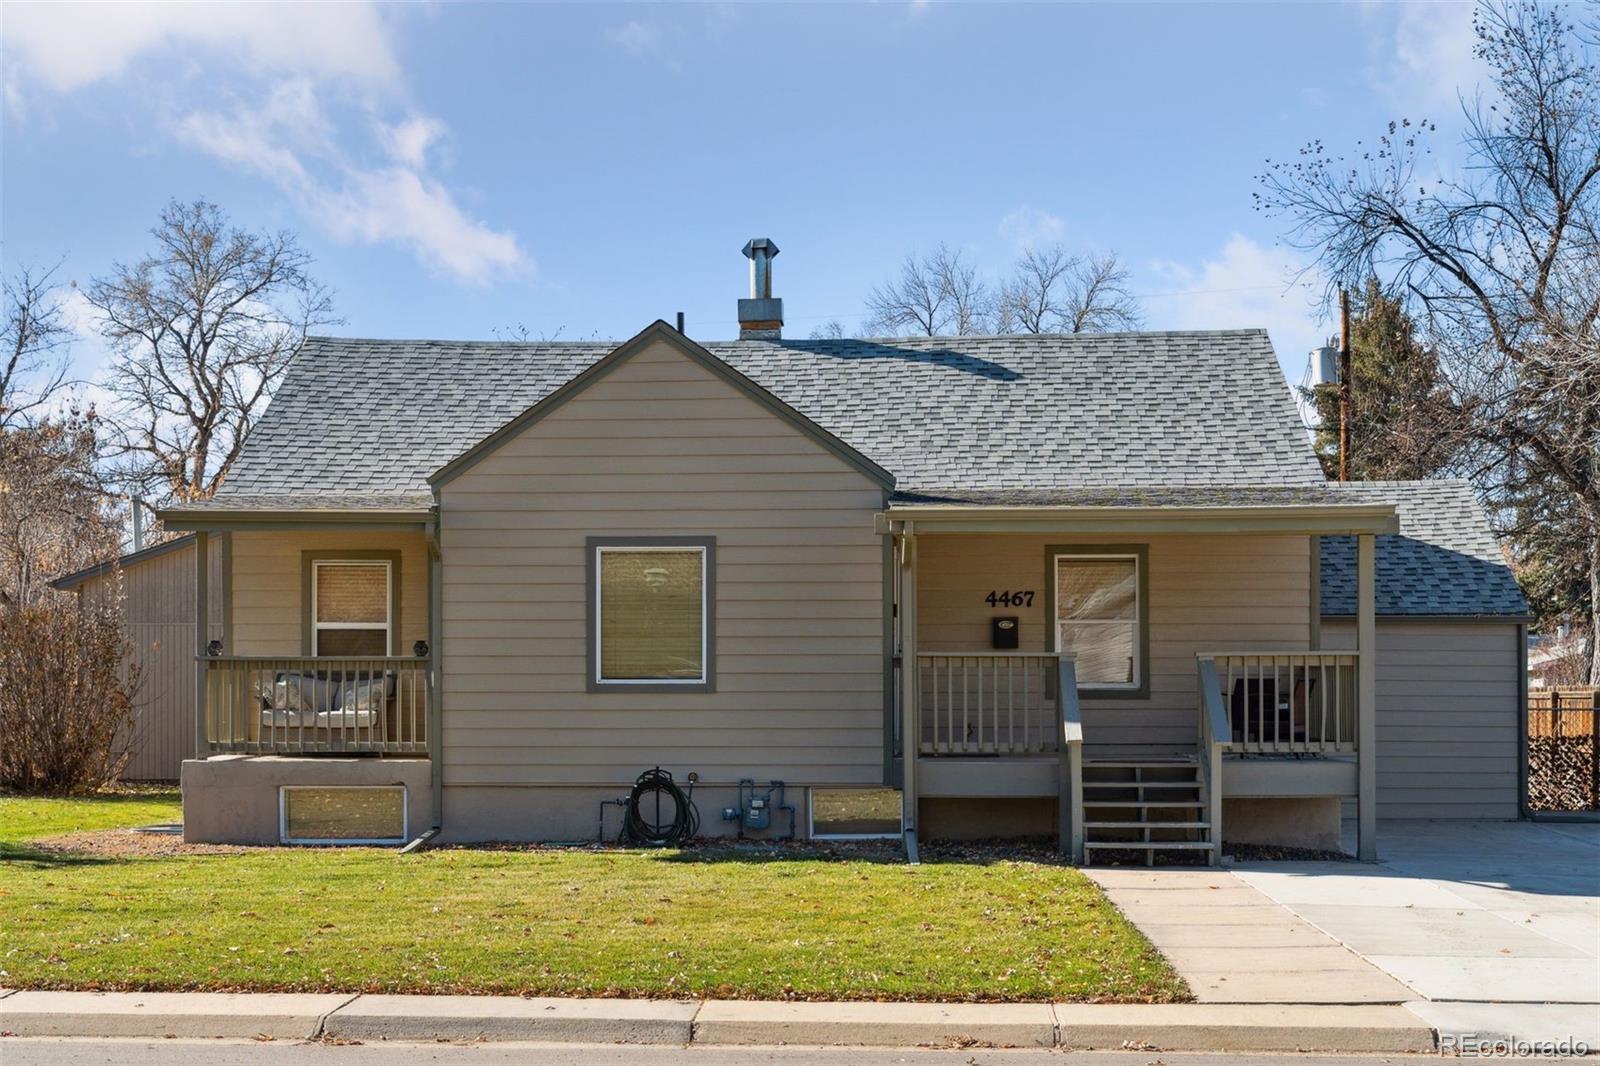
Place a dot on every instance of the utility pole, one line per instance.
(1344, 385)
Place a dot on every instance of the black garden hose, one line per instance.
(659, 813)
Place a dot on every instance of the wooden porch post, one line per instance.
(910, 726)
(202, 632)
(1366, 700)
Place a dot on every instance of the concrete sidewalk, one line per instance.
(1233, 944)
(422, 1019)
(1494, 926)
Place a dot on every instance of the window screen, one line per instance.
(1097, 618)
(343, 815)
(651, 614)
(351, 608)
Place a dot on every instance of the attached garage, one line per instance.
(1452, 661)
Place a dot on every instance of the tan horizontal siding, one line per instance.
(268, 615)
(1447, 717)
(1207, 593)
(661, 446)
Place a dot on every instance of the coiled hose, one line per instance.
(659, 813)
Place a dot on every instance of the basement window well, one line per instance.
(855, 813)
(346, 814)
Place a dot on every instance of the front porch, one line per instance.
(1139, 735)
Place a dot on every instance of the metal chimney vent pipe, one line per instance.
(761, 316)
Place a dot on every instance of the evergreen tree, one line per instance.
(1401, 416)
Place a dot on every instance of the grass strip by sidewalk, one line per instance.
(696, 922)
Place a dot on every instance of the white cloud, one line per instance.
(359, 173)
(290, 140)
(1028, 227)
(66, 46)
(408, 141)
(1423, 54)
(1245, 286)
(648, 40)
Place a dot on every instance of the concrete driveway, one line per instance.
(1495, 926)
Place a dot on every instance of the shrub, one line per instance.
(67, 695)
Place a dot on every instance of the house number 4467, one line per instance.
(1008, 598)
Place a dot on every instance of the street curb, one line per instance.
(157, 1015)
(504, 1018)
(1243, 1027)
(425, 1019)
(892, 1024)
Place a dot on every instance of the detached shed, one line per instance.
(158, 601)
(1452, 653)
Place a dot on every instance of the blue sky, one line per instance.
(583, 170)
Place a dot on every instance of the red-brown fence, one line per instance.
(1564, 749)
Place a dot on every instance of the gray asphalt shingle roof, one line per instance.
(1443, 562)
(944, 415)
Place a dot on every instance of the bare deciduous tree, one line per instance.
(1502, 263)
(33, 341)
(202, 330)
(937, 295)
(55, 515)
(1051, 291)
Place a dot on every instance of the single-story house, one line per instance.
(1094, 586)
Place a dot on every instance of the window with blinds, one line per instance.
(350, 608)
(650, 615)
(1098, 618)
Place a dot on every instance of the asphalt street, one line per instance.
(69, 1052)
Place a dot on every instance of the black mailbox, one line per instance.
(1003, 633)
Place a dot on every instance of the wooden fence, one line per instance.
(1564, 749)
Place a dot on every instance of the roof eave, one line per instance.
(1305, 519)
(67, 582)
(224, 520)
(1459, 616)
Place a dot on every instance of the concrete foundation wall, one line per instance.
(233, 799)
(985, 819)
(1296, 822)
(557, 813)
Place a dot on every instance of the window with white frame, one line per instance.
(351, 603)
(651, 613)
(1098, 618)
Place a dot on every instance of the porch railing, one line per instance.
(260, 705)
(1293, 703)
(987, 703)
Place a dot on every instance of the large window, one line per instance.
(350, 607)
(1099, 616)
(651, 604)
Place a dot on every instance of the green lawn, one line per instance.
(667, 923)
